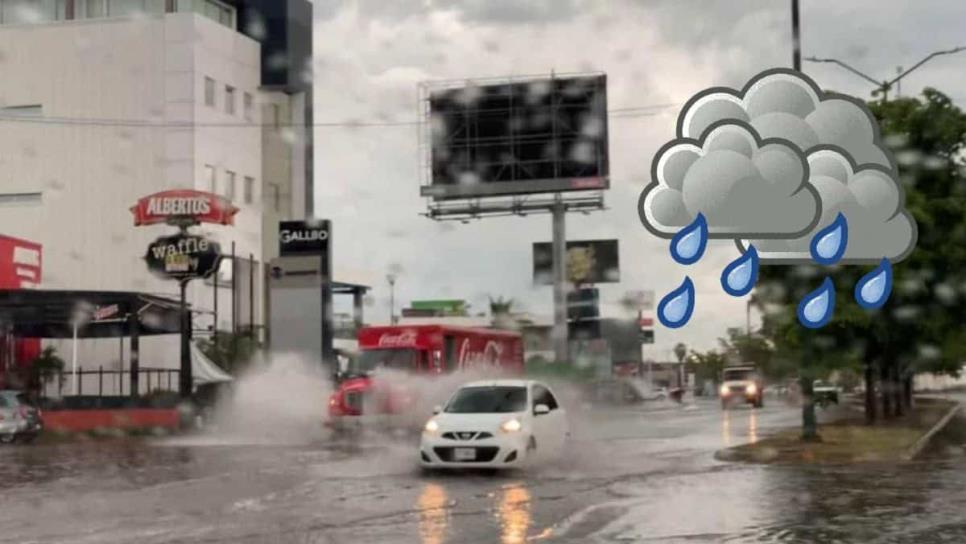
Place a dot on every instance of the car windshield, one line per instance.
(369, 360)
(736, 375)
(488, 400)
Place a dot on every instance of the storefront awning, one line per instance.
(41, 313)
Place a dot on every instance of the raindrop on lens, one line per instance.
(688, 245)
(676, 307)
(815, 310)
(828, 245)
(874, 288)
(739, 277)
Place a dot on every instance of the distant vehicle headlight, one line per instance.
(431, 426)
(724, 390)
(511, 426)
(751, 389)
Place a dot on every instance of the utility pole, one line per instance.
(796, 39)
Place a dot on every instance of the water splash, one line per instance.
(687, 246)
(816, 309)
(874, 288)
(828, 245)
(739, 277)
(676, 307)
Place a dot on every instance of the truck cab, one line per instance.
(371, 384)
(742, 384)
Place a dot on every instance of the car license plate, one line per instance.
(464, 454)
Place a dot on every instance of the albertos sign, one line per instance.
(303, 237)
(184, 205)
(183, 257)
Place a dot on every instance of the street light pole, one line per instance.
(885, 86)
(391, 278)
(796, 39)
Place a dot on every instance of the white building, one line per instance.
(105, 101)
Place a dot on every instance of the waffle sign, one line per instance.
(183, 257)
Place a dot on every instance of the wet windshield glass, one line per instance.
(488, 400)
(369, 360)
(735, 375)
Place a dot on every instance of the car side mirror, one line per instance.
(541, 409)
(437, 409)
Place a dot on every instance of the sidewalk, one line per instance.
(847, 439)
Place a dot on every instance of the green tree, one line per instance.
(919, 328)
(708, 365)
(44, 368)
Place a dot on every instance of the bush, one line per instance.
(539, 367)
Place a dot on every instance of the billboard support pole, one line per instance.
(186, 379)
(560, 336)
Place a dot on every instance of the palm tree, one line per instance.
(500, 309)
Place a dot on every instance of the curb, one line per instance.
(924, 440)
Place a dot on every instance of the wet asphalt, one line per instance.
(629, 475)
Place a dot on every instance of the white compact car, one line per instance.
(495, 424)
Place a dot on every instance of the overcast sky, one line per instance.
(370, 57)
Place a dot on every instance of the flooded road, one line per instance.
(629, 476)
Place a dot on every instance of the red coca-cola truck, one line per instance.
(372, 384)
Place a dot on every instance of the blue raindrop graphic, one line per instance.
(739, 277)
(874, 288)
(676, 307)
(828, 245)
(816, 309)
(687, 246)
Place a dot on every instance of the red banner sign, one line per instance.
(183, 204)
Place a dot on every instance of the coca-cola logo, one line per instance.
(405, 338)
(490, 356)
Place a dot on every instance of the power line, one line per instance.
(618, 113)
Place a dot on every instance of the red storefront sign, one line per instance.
(183, 204)
(20, 263)
(21, 267)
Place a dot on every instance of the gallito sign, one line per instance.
(183, 257)
(183, 206)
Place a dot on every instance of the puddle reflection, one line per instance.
(433, 515)
(514, 514)
(753, 427)
(726, 427)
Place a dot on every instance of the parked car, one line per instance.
(495, 424)
(19, 418)
(825, 393)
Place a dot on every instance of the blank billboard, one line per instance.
(536, 136)
(588, 261)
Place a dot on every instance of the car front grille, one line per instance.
(484, 454)
(737, 389)
(467, 435)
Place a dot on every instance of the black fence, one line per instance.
(102, 383)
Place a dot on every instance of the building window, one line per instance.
(213, 9)
(249, 104)
(230, 185)
(276, 197)
(209, 92)
(229, 100)
(210, 179)
(249, 189)
(19, 198)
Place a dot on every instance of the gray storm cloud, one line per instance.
(785, 104)
(744, 186)
(872, 203)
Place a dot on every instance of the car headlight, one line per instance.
(751, 389)
(724, 390)
(431, 426)
(511, 426)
